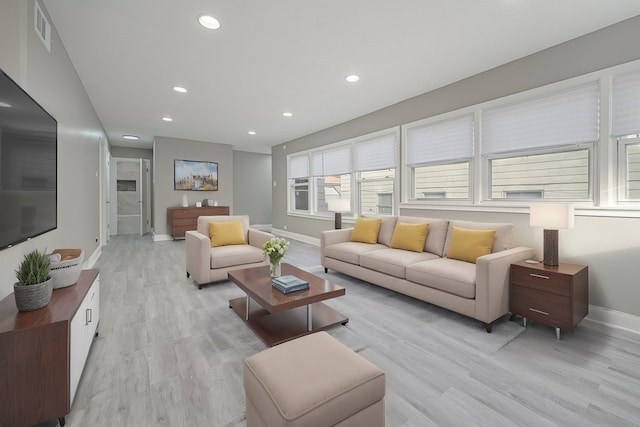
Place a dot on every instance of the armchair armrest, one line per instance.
(258, 238)
(492, 282)
(198, 254)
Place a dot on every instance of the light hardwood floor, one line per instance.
(169, 354)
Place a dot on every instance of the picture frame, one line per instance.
(192, 175)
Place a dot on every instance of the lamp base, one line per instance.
(338, 224)
(550, 247)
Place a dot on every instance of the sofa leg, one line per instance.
(199, 286)
(326, 270)
(188, 275)
(488, 327)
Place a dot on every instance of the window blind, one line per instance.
(440, 142)
(564, 118)
(298, 166)
(626, 104)
(317, 164)
(337, 161)
(376, 153)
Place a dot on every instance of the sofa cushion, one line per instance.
(387, 227)
(228, 256)
(410, 237)
(366, 230)
(393, 261)
(226, 233)
(350, 251)
(437, 232)
(468, 244)
(502, 241)
(448, 275)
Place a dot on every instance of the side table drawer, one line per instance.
(550, 309)
(544, 281)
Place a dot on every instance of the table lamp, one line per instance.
(551, 216)
(338, 206)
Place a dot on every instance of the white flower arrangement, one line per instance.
(275, 249)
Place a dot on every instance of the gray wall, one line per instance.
(610, 246)
(131, 153)
(252, 186)
(165, 151)
(50, 78)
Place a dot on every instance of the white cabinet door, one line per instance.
(77, 348)
(83, 328)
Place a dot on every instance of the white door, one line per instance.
(113, 200)
(105, 191)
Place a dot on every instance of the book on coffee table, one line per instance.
(286, 284)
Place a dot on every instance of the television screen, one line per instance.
(28, 166)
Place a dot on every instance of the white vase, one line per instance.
(275, 270)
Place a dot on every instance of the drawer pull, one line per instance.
(539, 276)
(539, 311)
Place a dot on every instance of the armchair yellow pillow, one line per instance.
(467, 244)
(410, 237)
(366, 230)
(224, 233)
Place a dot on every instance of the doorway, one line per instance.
(130, 193)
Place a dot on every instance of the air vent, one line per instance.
(42, 27)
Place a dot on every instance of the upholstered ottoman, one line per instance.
(313, 381)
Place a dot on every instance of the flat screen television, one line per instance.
(28, 166)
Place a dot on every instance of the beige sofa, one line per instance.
(206, 264)
(479, 290)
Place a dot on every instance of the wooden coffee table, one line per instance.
(276, 317)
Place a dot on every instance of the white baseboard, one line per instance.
(601, 318)
(161, 237)
(91, 261)
(296, 236)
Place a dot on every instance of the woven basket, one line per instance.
(66, 272)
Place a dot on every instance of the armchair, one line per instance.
(206, 264)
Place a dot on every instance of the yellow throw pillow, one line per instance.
(467, 244)
(226, 233)
(410, 237)
(366, 230)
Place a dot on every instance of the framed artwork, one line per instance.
(195, 176)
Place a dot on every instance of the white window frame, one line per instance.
(622, 144)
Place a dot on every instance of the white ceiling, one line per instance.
(292, 55)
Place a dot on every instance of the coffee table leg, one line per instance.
(246, 316)
(309, 318)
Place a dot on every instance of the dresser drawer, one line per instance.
(546, 281)
(550, 309)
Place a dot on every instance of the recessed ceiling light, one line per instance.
(287, 114)
(133, 137)
(252, 132)
(4, 104)
(167, 119)
(209, 22)
(180, 89)
(352, 78)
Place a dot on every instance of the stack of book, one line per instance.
(287, 284)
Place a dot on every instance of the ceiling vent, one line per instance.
(42, 27)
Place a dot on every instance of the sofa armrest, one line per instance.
(258, 238)
(331, 237)
(492, 282)
(198, 254)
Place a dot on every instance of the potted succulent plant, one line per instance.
(34, 286)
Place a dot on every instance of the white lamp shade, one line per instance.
(551, 215)
(339, 205)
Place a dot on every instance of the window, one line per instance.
(438, 157)
(331, 187)
(542, 147)
(629, 168)
(300, 194)
(376, 189)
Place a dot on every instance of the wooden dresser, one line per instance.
(557, 296)
(43, 352)
(182, 219)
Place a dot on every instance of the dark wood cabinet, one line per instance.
(557, 296)
(39, 352)
(181, 219)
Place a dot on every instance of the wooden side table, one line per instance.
(557, 296)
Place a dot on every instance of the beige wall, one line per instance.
(51, 79)
(165, 151)
(609, 245)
